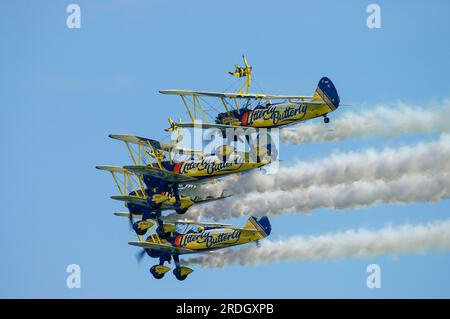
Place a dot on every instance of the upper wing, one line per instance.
(160, 173)
(162, 247)
(154, 144)
(143, 141)
(234, 95)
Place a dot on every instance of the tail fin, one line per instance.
(326, 91)
(261, 224)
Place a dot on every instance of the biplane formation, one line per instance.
(159, 171)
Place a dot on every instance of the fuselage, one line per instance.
(160, 192)
(211, 239)
(275, 115)
(198, 237)
(211, 167)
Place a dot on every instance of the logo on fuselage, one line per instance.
(277, 114)
(209, 166)
(209, 239)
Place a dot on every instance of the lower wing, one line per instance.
(162, 174)
(161, 247)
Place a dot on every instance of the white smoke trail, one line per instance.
(405, 239)
(384, 121)
(407, 189)
(345, 168)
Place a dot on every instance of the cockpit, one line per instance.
(188, 229)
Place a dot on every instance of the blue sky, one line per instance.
(63, 91)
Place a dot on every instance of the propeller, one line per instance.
(159, 221)
(140, 255)
(130, 221)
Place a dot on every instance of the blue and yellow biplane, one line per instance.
(189, 237)
(152, 184)
(256, 110)
(149, 202)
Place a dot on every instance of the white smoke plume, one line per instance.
(344, 168)
(384, 121)
(407, 189)
(405, 239)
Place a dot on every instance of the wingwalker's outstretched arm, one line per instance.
(245, 62)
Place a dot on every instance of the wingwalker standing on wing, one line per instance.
(290, 109)
(243, 72)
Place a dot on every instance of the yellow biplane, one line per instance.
(189, 237)
(151, 185)
(255, 111)
(148, 201)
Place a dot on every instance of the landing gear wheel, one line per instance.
(176, 272)
(139, 231)
(326, 119)
(154, 273)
